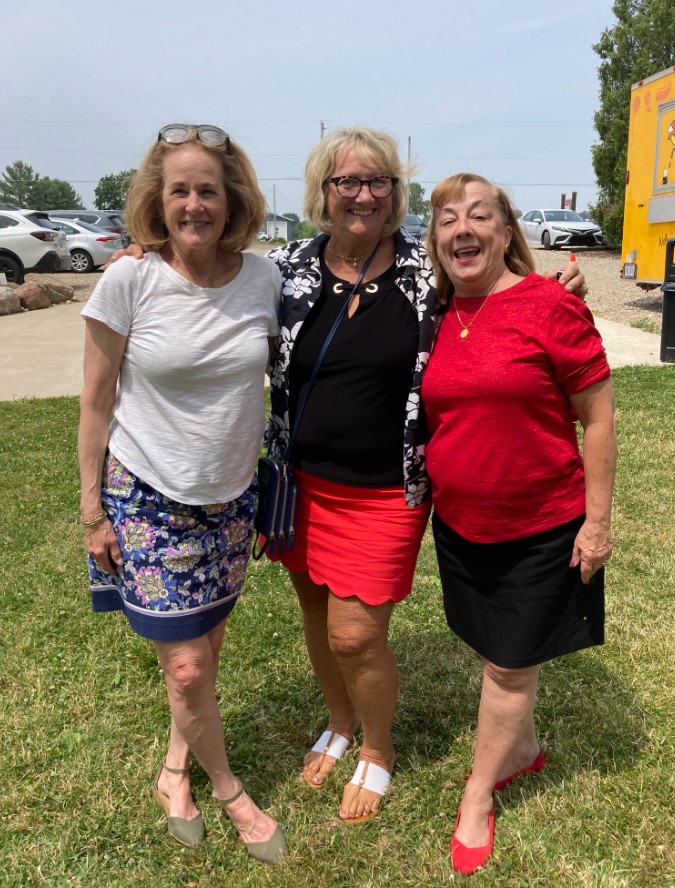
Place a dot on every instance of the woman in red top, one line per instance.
(522, 521)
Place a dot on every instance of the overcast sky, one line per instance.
(507, 90)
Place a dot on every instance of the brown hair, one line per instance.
(245, 202)
(371, 146)
(519, 259)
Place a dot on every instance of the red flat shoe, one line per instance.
(467, 860)
(532, 768)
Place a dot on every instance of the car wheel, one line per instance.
(11, 270)
(81, 262)
(546, 240)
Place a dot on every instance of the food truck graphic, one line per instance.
(649, 211)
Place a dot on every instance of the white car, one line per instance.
(89, 246)
(30, 243)
(553, 229)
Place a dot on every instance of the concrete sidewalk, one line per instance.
(41, 351)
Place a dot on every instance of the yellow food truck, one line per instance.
(649, 211)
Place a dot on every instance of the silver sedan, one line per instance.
(89, 246)
(553, 229)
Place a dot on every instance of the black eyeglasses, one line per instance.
(350, 186)
(179, 134)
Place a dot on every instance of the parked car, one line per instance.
(89, 246)
(413, 225)
(30, 244)
(42, 219)
(553, 229)
(264, 236)
(110, 220)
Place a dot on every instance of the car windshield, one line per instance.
(562, 216)
(411, 219)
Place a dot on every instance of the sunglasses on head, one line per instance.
(179, 134)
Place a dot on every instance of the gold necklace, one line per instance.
(465, 327)
(353, 260)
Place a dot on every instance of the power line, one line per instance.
(286, 122)
(300, 179)
(63, 150)
(546, 157)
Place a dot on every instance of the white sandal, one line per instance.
(329, 743)
(373, 778)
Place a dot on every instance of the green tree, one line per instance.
(54, 194)
(22, 186)
(304, 229)
(641, 43)
(17, 183)
(416, 201)
(111, 191)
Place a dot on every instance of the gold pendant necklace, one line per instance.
(465, 327)
(352, 260)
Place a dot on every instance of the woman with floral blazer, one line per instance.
(301, 274)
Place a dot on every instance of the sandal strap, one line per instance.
(237, 795)
(176, 770)
(371, 776)
(331, 743)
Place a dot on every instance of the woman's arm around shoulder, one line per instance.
(571, 278)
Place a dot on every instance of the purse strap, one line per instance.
(324, 349)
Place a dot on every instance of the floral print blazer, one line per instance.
(301, 272)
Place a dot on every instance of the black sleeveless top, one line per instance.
(352, 428)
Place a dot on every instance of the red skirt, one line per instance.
(360, 541)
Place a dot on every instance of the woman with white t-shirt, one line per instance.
(176, 348)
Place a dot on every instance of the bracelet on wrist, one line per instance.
(94, 520)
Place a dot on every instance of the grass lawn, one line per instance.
(84, 716)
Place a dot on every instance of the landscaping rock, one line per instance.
(36, 278)
(34, 296)
(9, 301)
(59, 293)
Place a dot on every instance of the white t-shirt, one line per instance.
(189, 413)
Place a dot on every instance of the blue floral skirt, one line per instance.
(183, 565)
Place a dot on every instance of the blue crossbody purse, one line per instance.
(278, 497)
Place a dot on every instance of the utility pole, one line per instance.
(323, 128)
(274, 210)
(407, 186)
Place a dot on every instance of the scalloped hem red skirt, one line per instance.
(358, 541)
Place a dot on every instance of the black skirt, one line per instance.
(519, 603)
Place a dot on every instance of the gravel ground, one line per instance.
(609, 296)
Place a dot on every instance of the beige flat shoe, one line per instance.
(187, 832)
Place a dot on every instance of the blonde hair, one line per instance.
(246, 203)
(372, 147)
(518, 259)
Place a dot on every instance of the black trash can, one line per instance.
(668, 311)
